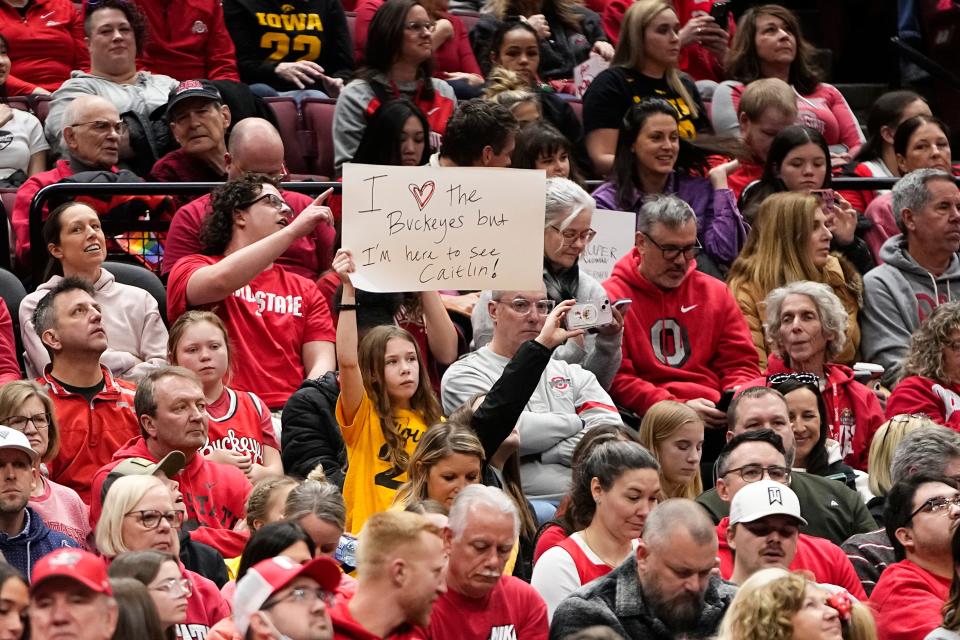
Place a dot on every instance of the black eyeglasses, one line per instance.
(272, 200)
(802, 378)
(150, 518)
(304, 595)
(754, 472)
(40, 421)
(671, 252)
(937, 504)
(762, 529)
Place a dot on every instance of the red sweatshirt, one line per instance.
(45, 45)
(9, 367)
(916, 394)
(826, 561)
(907, 600)
(680, 344)
(215, 496)
(188, 40)
(205, 607)
(346, 627)
(853, 412)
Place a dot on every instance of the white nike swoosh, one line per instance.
(47, 15)
(433, 111)
(690, 308)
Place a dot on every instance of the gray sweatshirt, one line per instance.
(898, 295)
(350, 115)
(568, 401)
(600, 355)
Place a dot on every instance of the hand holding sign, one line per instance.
(314, 214)
(344, 265)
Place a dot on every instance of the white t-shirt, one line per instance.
(20, 138)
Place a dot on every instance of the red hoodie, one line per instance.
(826, 561)
(907, 601)
(937, 400)
(853, 412)
(680, 344)
(215, 496)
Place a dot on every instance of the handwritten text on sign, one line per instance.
(614, 239)
(429, 228)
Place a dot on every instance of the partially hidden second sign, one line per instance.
(431, 228)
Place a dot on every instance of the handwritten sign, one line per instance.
(615, 238)
(430, 228)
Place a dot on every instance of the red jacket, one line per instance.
(916, 394)
(826, 561)
(853, 412)
(215, 496)
(907, 601)
(20, 218)
(45, 45)
(684, 343)
(9, 367)
(188, 40)
(90, 432)
(345, 627)
(205, 607)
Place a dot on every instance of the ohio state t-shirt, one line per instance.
(268, 322)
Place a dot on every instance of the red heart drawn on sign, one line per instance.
(423, 193)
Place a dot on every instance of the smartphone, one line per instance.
(623, 305)
(720, 12)
(589, 315)
(724, 402)
(827, 196)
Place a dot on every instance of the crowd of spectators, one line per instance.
(762, 442)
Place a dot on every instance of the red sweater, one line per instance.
(45, 45)
(853, 412)
(188, 40)
(826, 561)
(215, 496)
(679, 344)
(907, 600)
(916, 394)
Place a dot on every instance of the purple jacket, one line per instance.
(720, 227)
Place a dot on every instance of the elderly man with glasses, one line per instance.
(831, 509)
(567, 401)
(685, 338)
(921, 516)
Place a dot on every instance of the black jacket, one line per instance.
(203, 559)
(268, 32)
(310, 433)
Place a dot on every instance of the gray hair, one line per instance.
(321, 499)
(74, 111)
(565, 201)
(833, 317)
(671, 515)
(911, 192)
(669, 210)
(928, 449)
(145, 400)
(481, 495)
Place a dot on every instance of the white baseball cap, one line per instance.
(764, 498)
(13, 439)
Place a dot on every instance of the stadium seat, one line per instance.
(12, 292)
(318, 122)
(18, 102)
(41, 107)
(8, 197)
(468, 18)
(577, 106)
(351, 24)
(143, 278)
(288, 118)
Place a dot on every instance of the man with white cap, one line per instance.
(71, 598)
(764, 527)
(24, 538)
(278, 598)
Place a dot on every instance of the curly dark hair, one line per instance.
(129, 9)
(217, 229)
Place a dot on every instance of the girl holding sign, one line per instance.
(386, 404)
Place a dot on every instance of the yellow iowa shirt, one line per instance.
(371, 484)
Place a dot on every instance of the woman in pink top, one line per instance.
(768, 44)
(26, 407)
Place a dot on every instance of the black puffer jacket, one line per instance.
(311, 434)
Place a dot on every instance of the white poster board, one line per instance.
(616, 231)
(430, 228)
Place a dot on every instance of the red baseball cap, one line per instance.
(76, 564)
(269, 576)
